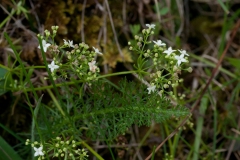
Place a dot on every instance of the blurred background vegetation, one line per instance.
(202, 27)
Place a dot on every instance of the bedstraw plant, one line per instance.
(87, 105)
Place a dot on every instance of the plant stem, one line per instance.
(92, 151)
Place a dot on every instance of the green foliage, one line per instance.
(162, 10)
(3, 81)
(235, 62)
(78, 104)
(7, 152)
(135, 29)
(106, 112)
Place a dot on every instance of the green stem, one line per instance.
(199, 129)
(52, 81)
(92, 151)
(8, 17)
(144, 138)
(169, 141)
(21, 64)
(79, 81)
(175, 142)
(55, 101)
(116, 74)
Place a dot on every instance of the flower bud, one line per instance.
(180, 80)
(165, 85)
(190, 69)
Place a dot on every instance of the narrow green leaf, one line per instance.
(3, 72)
(7, 152)
(224, 7)
(199, 129)
(235, 62)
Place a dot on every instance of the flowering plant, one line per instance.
(87, 104)
(167, 61)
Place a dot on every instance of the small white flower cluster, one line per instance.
(165, 60)
(53, 66)
(97, 51)
(151, 26)
(81, 60)
(169, 51)
(92, 64)
(38, 150)
(159, 43)
(15, 85)
(68, 43)
(151, 89)
(180, 58)
(59, 147)
(45, 45)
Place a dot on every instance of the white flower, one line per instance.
(151, 89)
(69, 43)
(92, 66)
(159, 43)
(169, 51)
(38, 151)
(97, 51)
(52, 66)
(180, 59)
(45, 45)
(183, 52)
(150, 26)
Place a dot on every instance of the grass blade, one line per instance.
(7, 152)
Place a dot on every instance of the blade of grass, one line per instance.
(12, 133)
(144, 140)
(224, 7)
(205, 61)
(200, 120)
(35, 123)
(92, 151)
(154, 147)
(215, 116)
(21, 64)
(110, 150)
(7, 152)
(175, 142)
(7, 18)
